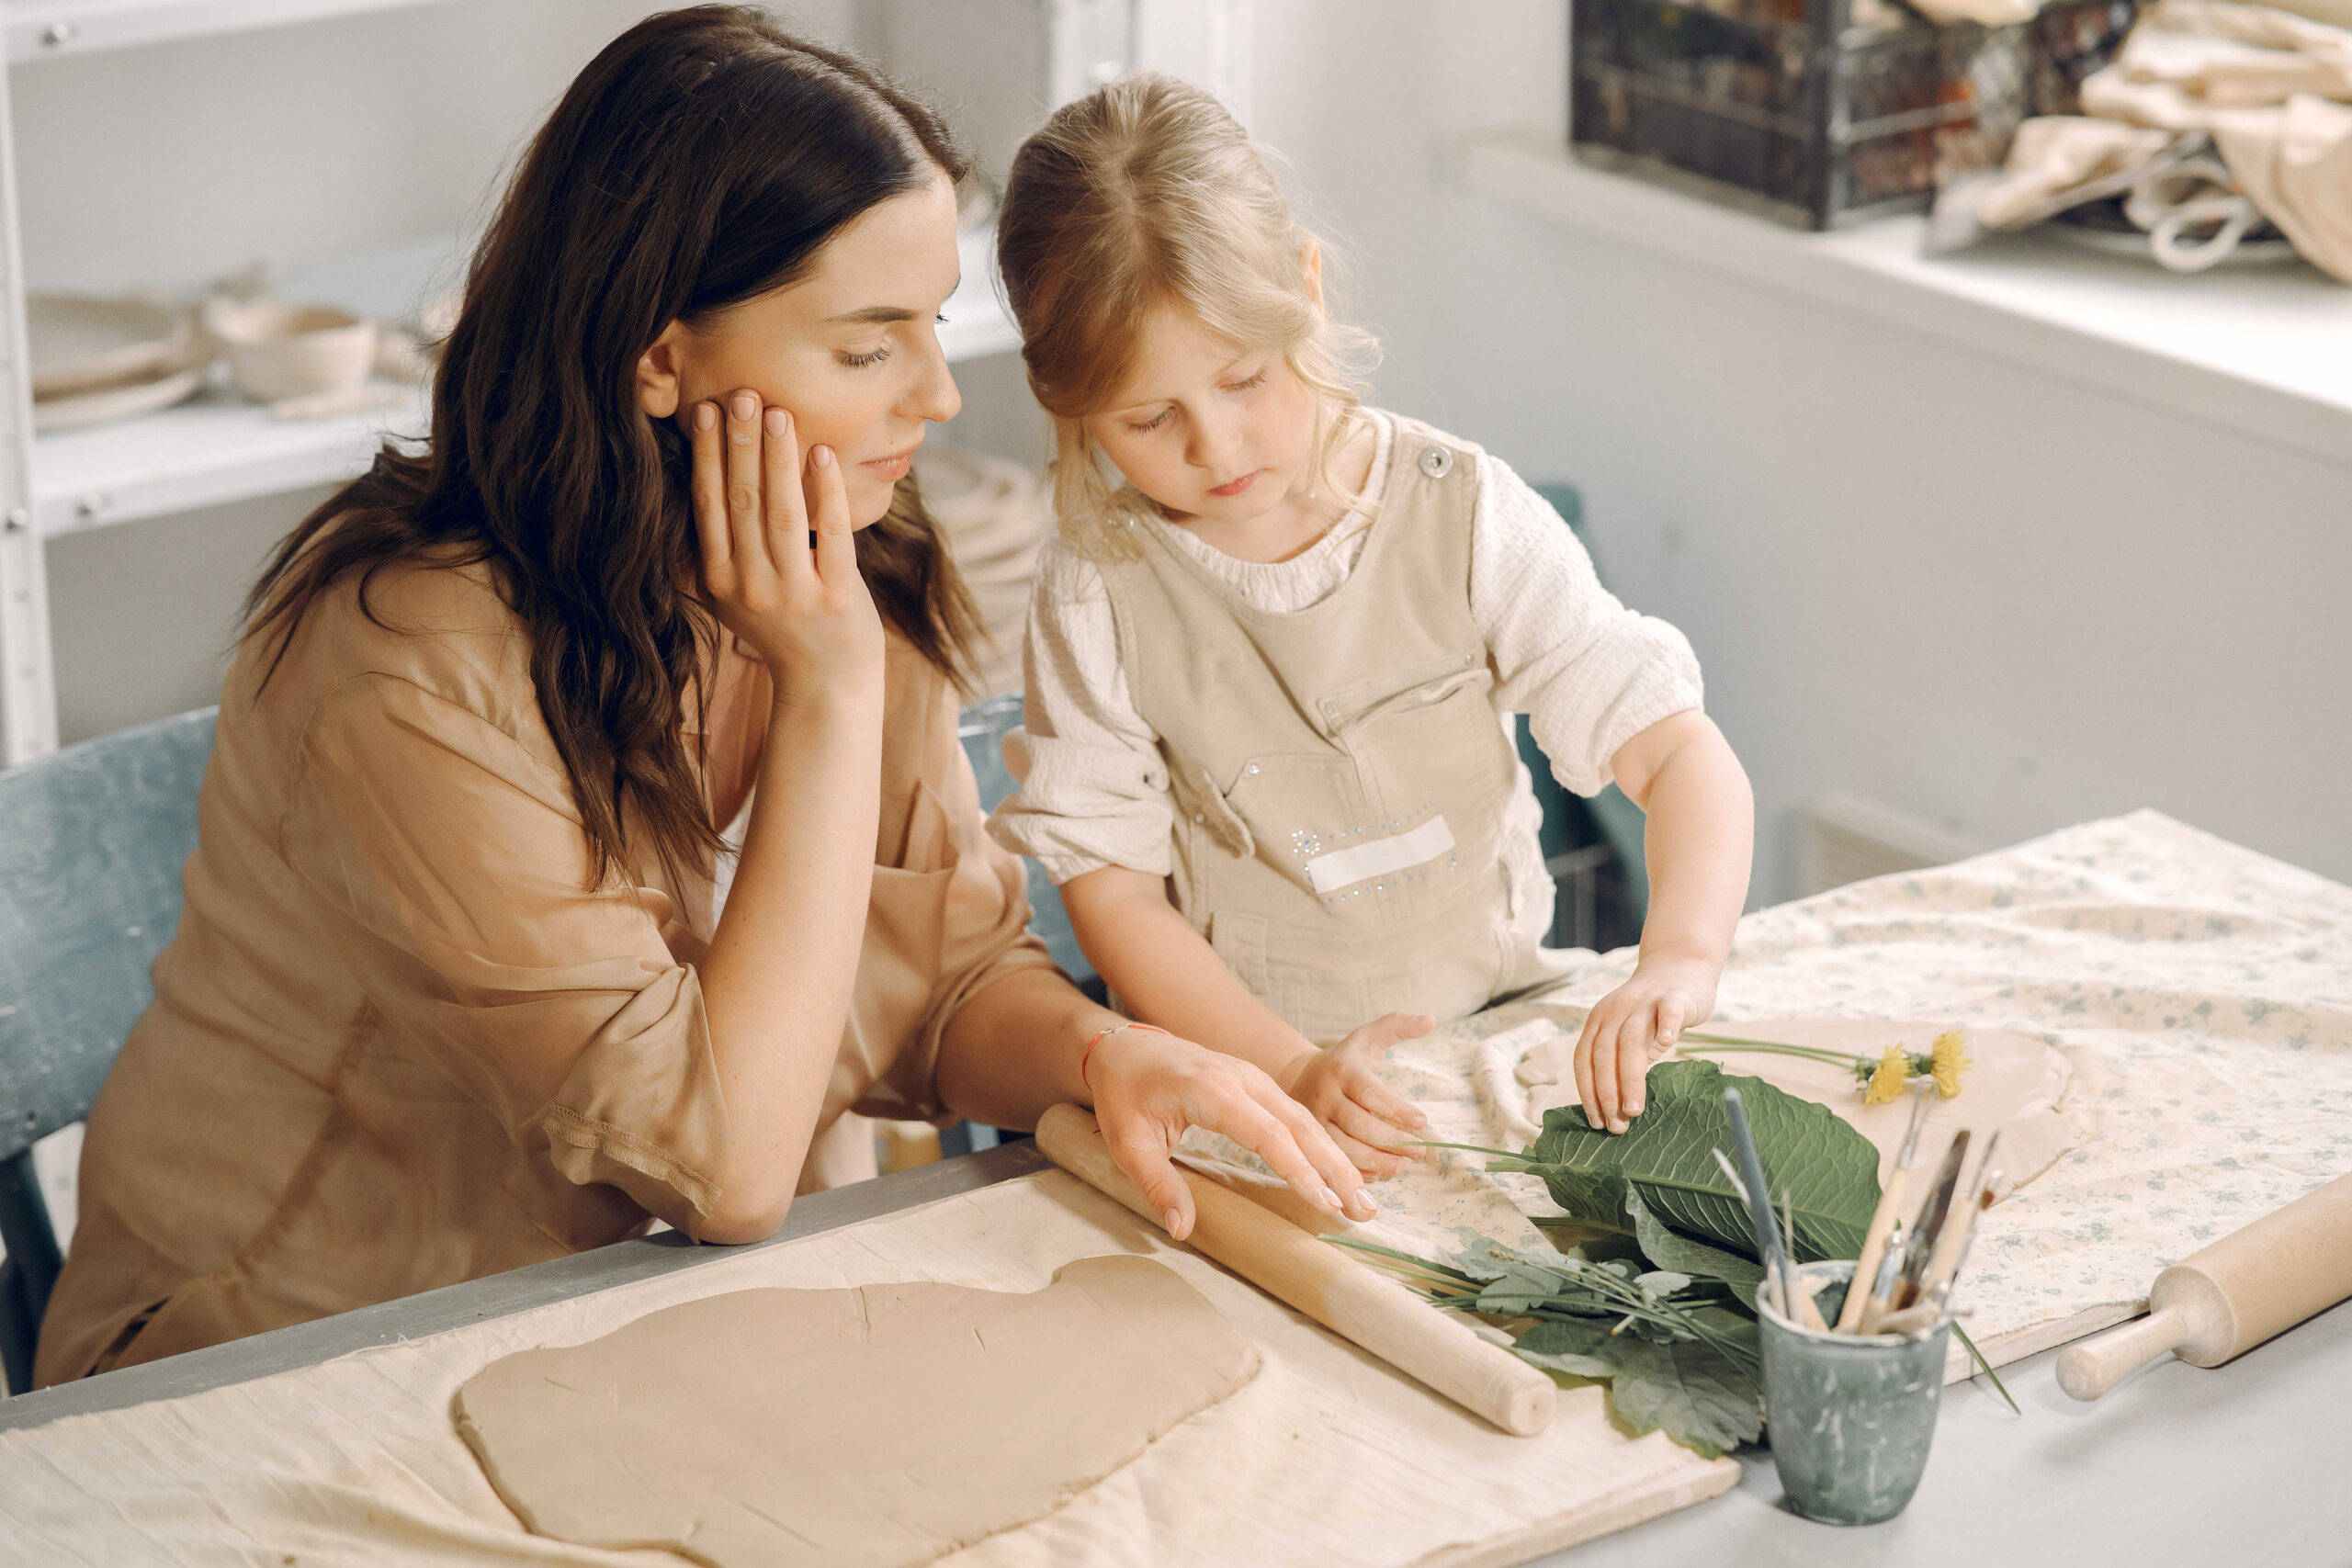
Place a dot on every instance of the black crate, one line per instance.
(1807, 118)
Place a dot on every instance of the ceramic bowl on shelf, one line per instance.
(79, 345)
(279, 351)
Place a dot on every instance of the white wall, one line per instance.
(1985, 597)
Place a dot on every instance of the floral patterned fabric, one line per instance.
(2201, 993)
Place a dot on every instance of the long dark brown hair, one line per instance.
(703, 158)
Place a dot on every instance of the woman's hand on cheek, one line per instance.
(1148, 1088)
(1633, 1026)
(1340, 1086)
(806, 614)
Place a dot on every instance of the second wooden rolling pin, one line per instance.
(2253, 1283)
(1334, 1289)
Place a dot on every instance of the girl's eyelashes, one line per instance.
(1251, 385)
(1146, 427)
(860, 361)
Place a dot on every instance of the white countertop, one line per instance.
(2262, 351)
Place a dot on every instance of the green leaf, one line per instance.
(1828, 1171)
(1690, 1392)
(1671, 1249)
(1580, 1349)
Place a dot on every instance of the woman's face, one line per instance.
(1206, 428)
(851, 350)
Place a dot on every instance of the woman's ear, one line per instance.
(657, 373)
(1311, 262)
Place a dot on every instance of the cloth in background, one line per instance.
(2271, 90)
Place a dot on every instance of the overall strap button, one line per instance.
(1437, 462)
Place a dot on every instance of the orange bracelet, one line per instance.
(1105, 1034)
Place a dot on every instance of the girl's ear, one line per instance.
(1311, 262)
(657, 373)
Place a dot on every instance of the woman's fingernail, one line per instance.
(746, 406)
(822, 456)
(1169, 1220)
(1634, 1109)
(1330, 1199)
(706, 417)
(778, 421)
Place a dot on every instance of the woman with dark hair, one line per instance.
(448, 995)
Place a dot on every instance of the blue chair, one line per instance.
(982, 729)
(92, 842)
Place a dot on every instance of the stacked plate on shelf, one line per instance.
(95, 360)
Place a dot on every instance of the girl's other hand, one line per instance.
(1150, 1086)
(806, 612)
(1366, 1117)
(1633, 1026)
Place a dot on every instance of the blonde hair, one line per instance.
(1144, 194)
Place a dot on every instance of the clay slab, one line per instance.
(870, 1426)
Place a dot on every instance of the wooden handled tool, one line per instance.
(2221, 1302)
(1341, 1294)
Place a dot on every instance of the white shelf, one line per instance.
(51, 30)
(221, 448)
(2265, 351)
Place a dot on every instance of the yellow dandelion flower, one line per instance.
(1949, 1059)
(1886, 1084)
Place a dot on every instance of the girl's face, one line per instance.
(1207, 429)
(850, 351)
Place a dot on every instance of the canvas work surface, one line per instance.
(1326, 1456)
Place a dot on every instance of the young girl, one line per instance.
(1273, 657)
(448, 995)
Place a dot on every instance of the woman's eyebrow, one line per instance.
(882, 315)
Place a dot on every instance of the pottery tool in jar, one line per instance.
(1883, 1220)
(1352, 1301)
(2216, 1304)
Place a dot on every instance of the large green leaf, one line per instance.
(1692, 1392)
(1669, 1248)
(1828, 1171)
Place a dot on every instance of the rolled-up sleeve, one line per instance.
(1588, 672)
(461, 865)
(1093, 786)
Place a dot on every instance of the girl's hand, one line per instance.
(1365, 1116)
(806, 614)
(1635, 1024)
(1150, 1086)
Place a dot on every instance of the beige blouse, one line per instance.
(396, 1043)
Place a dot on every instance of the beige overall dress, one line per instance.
(1340, 774)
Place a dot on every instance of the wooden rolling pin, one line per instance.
(1341, 1294)
(2245, 1288)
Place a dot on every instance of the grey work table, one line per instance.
(2250, 1463)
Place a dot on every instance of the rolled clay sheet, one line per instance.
(868, 1427)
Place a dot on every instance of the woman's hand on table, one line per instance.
(1340, 1086)
(1633, 1026)
(756, 499)
(1150, 1086)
